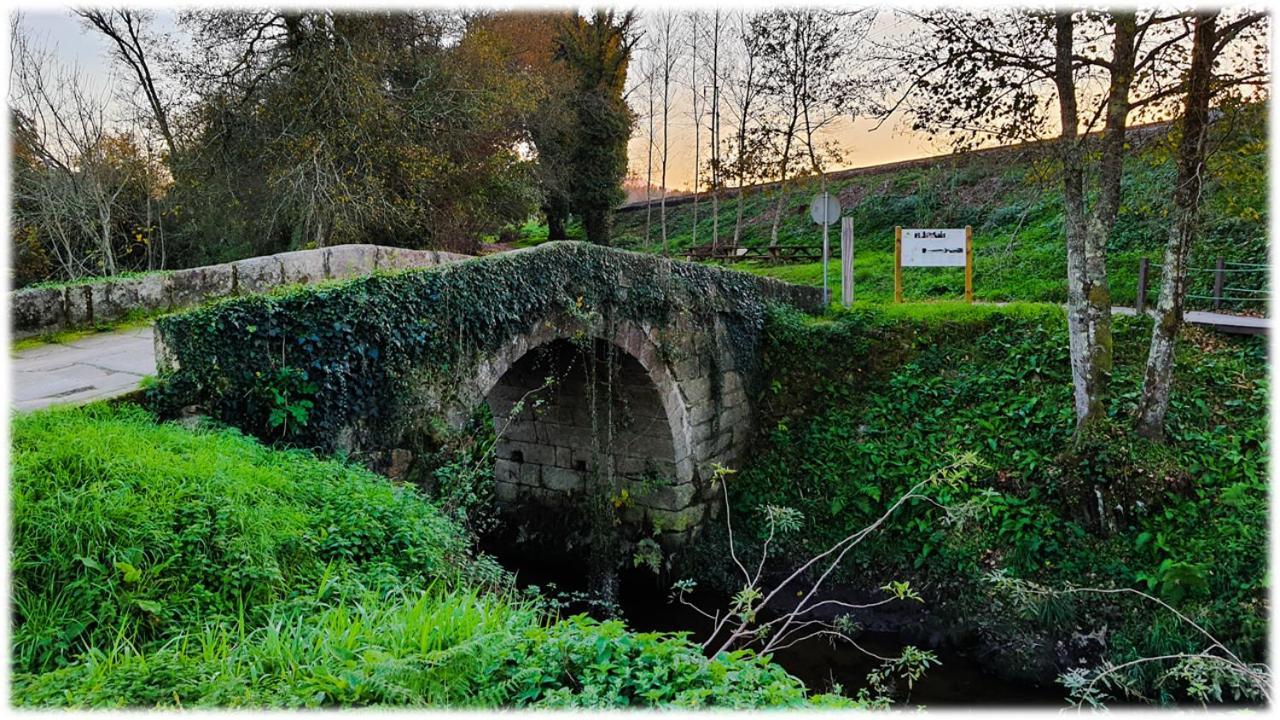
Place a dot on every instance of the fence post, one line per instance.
(1218, 277)
(1142, 285)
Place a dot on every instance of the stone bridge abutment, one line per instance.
(596, 365)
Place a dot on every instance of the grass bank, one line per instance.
(1012, 199)
(864, 403)
(156, 565)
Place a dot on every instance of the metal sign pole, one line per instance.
(968, 264)
(826, 252)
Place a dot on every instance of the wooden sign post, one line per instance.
(968, 264)
(933, 247)
(846, 261)
(897, 263)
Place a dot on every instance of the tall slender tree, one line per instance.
(597, 50)
(651, 76)
(745, 91)
(133, 46)
(715, 33)
(669, 55)
(695, 21)
(1210, 42)
(1020, 75)
(807, 74)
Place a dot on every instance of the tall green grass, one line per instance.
(156, 565)
(126, 531)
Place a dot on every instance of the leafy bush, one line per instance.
(860, 403)
(442, 648)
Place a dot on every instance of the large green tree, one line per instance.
(530, 41)
(597, 50)
(326, 127)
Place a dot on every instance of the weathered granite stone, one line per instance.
(116, 299)
(36, 311)
(302, 267)
(258, 275)
(166, 360)
(48, 310)
(196, 285)
(558, 478)
(345, 261)
(79, 306)
(680, 520)
(672, 497)
(394, 258)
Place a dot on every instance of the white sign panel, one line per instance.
(937, 247)
(824, 209)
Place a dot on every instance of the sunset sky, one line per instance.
(863, 146)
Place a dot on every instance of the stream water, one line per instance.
(644, 604)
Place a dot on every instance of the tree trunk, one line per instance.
(108, 257)
(697, 130)
(556, 220)
(1088, 293)
(666, 109)
(1084, 377)
(1154, 402)
(715, 132)
(596, 224)
(648, 178)
(782, 198)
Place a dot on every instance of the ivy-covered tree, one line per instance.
(597, 50)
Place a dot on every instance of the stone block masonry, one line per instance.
(654, 368)
(41, 311)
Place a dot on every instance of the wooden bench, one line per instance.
(719, 253)
(780, 254)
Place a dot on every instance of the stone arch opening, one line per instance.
(571, 413)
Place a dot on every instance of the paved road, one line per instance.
(90, 368)
(1237, 324)
(110, 364)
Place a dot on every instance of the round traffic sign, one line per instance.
(824, 209)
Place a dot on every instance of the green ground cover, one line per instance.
(866, 402)
(1012, 201)
(155, 565)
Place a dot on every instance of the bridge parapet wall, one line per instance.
(39, 311)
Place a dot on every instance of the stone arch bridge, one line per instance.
(592, 362)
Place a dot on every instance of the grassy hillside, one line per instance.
(864, 403)
(154, 565)
(1012, 201)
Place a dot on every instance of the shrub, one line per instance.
(126, 530)
(861, 402)
(154, 565)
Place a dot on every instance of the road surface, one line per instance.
(93, 367)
